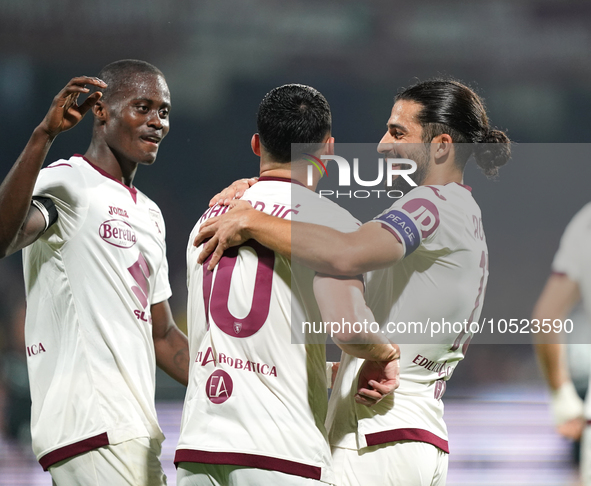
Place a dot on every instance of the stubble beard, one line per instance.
(421, 156)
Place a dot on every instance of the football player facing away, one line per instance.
(256, 403)
(436, 268)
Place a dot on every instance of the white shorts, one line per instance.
(134, 462)
(403, 463)
(199, 474)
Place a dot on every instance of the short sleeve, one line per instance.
(64, 184)
(162, 290)
(413, 218)
(574, 253)
(312, 208)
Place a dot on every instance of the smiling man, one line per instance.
(256, 401)
(434, 269)
(96, 278)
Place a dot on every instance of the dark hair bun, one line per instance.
(492, 151)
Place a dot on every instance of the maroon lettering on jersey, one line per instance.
(219, 387)
(440, 386)
(113, 211)
(208, 358)
(440, 367)
(118, 233)
(35, 349)
(478, 230)
(259, 205)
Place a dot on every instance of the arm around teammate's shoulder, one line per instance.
(238, 225)
(318, 247)
(328, 251)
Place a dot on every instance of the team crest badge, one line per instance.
(237, 327)
(156, 218)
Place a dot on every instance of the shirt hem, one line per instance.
(410, 434)
(248, 460)
(71, 450)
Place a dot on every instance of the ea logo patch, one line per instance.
(219, 387)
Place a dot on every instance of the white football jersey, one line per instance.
(255, 399)
(573, 259)
(90, 281)
(442, 278)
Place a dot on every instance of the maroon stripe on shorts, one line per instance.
(415, 435)
(248, 460)
(74, 449)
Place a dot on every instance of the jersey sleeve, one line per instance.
(162, 290)
(322, 211)
(65, 186)
(413, 219)
(574, 252)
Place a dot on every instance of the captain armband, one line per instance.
(403, 226)
(47, 208)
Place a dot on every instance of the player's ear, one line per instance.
(329, 149)
(99, 110)
(443, 145)
(255, 143)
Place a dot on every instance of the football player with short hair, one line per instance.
(426, 260)
(256, 402)
(96, 278)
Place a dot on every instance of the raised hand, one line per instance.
(377, 379)
(64, 112)
(19, 224)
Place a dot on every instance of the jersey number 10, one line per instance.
(216, 292)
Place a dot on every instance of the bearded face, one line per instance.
(419, 152)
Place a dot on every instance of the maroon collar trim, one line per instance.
(280, 179)
(132, 190)
(461, 185)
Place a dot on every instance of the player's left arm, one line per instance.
(333, 252)
(318, 247)
(170, 344)
(340, 301)
(559, 296)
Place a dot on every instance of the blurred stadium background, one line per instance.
(529, 59)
